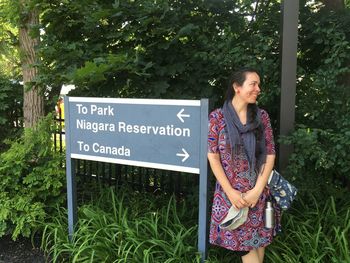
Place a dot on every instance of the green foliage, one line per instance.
(11, 94)
(9, 57)
(31, 180)
(323, 95)
(9, 11)
(129, 228)
(320, 161)
(134, 227)
(186, 49)
(159, 49)
(314, 233)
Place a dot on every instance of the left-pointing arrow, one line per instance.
(180, 115)
(184, 154)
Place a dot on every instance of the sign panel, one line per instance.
(162, 134)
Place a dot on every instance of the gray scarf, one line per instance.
(244, 135)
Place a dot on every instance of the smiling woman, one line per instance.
(241, 153)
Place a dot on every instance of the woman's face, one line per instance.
(250, 89)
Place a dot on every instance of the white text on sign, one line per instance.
(95, 110)
(102, 149)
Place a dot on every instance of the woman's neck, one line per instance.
(239, 106)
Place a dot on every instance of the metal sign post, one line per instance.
(203, 183)
(70, 175)
(161, 134)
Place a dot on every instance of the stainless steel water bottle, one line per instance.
(269, 214)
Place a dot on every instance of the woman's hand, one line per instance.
(236, 199)
(251, 197)
(233, 195)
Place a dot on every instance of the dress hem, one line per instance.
(265, 245)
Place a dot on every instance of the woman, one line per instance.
(241, 154)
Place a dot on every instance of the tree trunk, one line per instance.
(33, 101)
(334, 5)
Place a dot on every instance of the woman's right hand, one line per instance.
(236, 199)
(232, 194)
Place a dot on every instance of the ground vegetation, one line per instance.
(177, 50)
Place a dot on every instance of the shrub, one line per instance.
(11, 95)
(319, 164)
(31, 180)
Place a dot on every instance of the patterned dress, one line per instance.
(252, 234)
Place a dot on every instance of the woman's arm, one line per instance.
(233, 195)
(252, 196)
(265, 173)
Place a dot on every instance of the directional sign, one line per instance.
(162, 134)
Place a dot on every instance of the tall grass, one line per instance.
(139, 228)
(125, 229)
(314, 233)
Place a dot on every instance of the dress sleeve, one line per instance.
(213, 133)
(270, 143)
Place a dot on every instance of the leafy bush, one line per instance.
(323, 94)
(162, 49)
(31, 180)
(319, 164)
(321, 157)
(11, 94)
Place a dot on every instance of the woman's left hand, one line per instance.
(251, 197)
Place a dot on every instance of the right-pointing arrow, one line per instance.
(185, 155)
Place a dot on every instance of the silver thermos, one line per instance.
(269, 214)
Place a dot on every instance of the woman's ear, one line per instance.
(235, 88)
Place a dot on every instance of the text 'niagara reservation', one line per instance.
(122, 127)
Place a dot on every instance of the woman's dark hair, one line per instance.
(239, 76)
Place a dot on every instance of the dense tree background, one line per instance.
(186, 50)
(160, 49)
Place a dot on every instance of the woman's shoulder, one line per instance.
(263, 113)
(264, 116)
(216, 114)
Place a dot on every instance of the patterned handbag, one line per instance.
(281, 190)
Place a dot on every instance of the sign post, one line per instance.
(203, 184)
(161, 134)
(70, 175)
